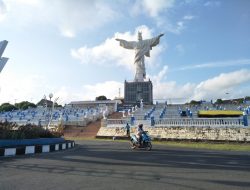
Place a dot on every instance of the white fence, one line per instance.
(200, 122)
(181, 122)
(117, 122)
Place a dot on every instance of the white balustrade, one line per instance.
(199, 122)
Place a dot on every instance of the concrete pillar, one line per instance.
(104, 123)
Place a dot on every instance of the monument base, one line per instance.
(135, 91)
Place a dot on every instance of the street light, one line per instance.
(53, 105)
(50, 96)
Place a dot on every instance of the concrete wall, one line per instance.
(184, 133)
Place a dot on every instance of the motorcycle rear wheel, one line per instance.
(149, 146)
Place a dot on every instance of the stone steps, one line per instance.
(90, 130)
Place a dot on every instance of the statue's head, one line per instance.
(139, 36)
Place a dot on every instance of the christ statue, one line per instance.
(142, 48)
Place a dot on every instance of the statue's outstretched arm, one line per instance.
(120, 40)
(161, 35)
(126, 44)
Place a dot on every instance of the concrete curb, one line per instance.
(33, 149)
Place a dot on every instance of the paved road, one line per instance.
(112, 165)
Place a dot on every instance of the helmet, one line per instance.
(140, 125)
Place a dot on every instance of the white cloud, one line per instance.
(159, 11)
(155, 10)
(70, 17)
(110, 89)
(212, 4)
(175, 28)
(180, 49)
(2, 10)
(110, 53)
(32, 88)
(217, 86)
(21, 88)
(152, 8)
(170, 89)
(67, 32)
(227, 63)
(212, 88)
(188, 17)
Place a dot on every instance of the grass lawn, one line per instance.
(208, 145)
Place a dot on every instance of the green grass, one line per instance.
(185, 144)
(205, 145)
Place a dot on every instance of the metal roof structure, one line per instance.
(95, 102)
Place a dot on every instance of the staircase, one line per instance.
(115, 115)
(90, 130)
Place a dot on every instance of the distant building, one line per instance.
(93, 104)
(134, 92)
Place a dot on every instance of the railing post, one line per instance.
(152, 121)
(132, 120)
(104, 123)
(245, 122)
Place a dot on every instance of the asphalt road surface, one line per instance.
(112, 165)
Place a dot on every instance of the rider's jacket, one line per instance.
(139, 131)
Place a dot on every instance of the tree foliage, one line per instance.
(219, 101)
(25, 105)
(102, 97)
(194, 102)
(44, 102)
(7, 107)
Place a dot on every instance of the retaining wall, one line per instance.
(184, 133)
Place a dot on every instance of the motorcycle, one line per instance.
(145, 144)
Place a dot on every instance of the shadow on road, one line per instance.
(162, 165)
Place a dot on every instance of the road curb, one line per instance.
(34, 149)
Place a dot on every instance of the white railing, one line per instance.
(144, 122)
(181, 122)
(199, 122)
(117, 122)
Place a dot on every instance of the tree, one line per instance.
(194, 102)
(101, 98)
(44, 102)
(219, 101)
(25, 105)
(247, 98)
(7, 107)
(58, 105)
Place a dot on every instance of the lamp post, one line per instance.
(51, 113)
(52, 109)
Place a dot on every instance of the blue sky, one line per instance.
(69, 48)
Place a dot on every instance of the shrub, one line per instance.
(13, 131)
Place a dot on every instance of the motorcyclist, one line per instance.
(139, 133)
